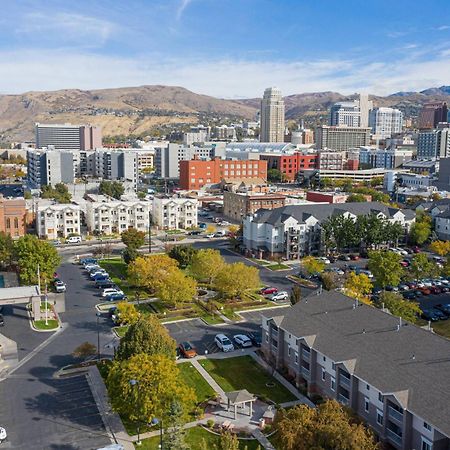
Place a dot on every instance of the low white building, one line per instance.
(106, 216)
(171, 213)
(57, 220)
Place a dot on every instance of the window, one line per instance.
(427, 426)
(367, 387)
(323, 374)
(333, 366)
(380, 397)
(366, 404)
(296, 357)
(267, 337)
(324, 358)
(379, 417)
(289, 350)
(426, 444)
(333, 383)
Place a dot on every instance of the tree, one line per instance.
(358, 286)
(296, 294)
(148, 336)
(377, 181)
(30, 252)
(235, 230)
(329, 426)
(184, 254)
(274, 176)
(177, 288)
(150, 271)
(329, 280)
(6, 249)
(84, 350)
(400, 307)
(312, 265)
(60, 193)
(210, 229)
(133, 238)
(174, 437)
(422, 267)
(127, 313)
(114, 189)
(386, 267)
(158, 385)
(129, 255)
(229, 441)
(420, 232)
(442, 248)
(207, 264)
(234, 279)
(353, 198)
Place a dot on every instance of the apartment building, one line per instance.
(434, 144)
(370, 157)
(341, 138)
(272, 116)
(107, 216)
(195, 174)
(331, 160)
(296, 231)
(237, 205)
(385, 122)
(392, 374)
(13, 216)
(57, 220)
(68, 137)
(172, 213)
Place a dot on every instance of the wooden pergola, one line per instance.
(240, 398)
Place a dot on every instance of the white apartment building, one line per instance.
(272, 116)
(171, 213)
(385, 122)
(106, 216)
(57, 220)
(345, 114)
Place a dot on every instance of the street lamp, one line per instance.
(155, 421)
(149, 231)
(98, 335)
(136, 383)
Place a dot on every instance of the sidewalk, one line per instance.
(208, 378)
(262, 439)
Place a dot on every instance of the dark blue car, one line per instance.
(115, 297)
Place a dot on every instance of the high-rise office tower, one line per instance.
(432, 114)
(272, 116)
(345, 114)
(365, 105)
(68, 137)
(385, 122)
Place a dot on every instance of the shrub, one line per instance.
(210, 423)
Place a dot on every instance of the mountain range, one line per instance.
(139, 110)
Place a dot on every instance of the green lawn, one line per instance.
(194, 438)
(243, 372)
(192, 377)
(278, 267)
(121, 330)
(442, 327)
(52, 324)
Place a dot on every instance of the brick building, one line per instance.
(13, 215)
(196, 173)
(238, 205)
(289, 164)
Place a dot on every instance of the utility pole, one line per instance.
(39, 279)
(149, 231)
(46, 304)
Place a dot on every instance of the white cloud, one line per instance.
(68, 27)
(182, 6)
(228, 78)
(443, 27)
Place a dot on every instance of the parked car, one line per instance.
(187, 350)
(112, 311)
(425, 290)
(73, 240)
(430, 314)
(401, 251)
(60, 286)
(85, 261)
(416, 249)
(92, 268)
(354, 257)
(2, 320)
(279, 296)
(404, 263)
(111, 290)
(268, 290)
(324, 260)
(115, 297)
(210, 235)
(255, 338)
(3, 434)
(223, 343)
(102, 284)
(220, 233)
(242, 340)
(445, 308)
(195, 233)
(344, 258)
(403, 287)
(440, 314)
(202, 225)
(435, 290)
(409, 295)
(95, 273)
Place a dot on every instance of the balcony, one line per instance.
(394, 437)
(305, 371)
(306, 354)
(345, 382)
(394, 414)
(343, 399)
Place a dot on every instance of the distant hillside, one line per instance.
(138, 110)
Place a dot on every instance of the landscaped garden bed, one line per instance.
(302, 281)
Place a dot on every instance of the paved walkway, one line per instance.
(208, 378)
(262, 439)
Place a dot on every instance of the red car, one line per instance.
(354, 257)
(425, 290)
(416, 249)
(435, 290)
(268, 291)
(404, 263)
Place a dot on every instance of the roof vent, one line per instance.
(413, 357)
(364, 331)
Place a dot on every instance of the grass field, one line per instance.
(244, 372)
(190, 375)
(40, 324)
(194, 438)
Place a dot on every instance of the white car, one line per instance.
(223, 343)
(60, 286)
(74, 240)
(395, 250)
(3, 434)
(325, 260)
(109, 291)
(90, 267)
(242, 340)
(210, 235)
(98, 272)
(401, 251)
(279, 296)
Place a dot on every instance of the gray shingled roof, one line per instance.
(412, 362)
(322, 212)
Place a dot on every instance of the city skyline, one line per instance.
(374, 48)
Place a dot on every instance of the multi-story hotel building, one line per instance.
(68, 137)
(341, 138)
(392, 374)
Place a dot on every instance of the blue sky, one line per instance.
(226, 48)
